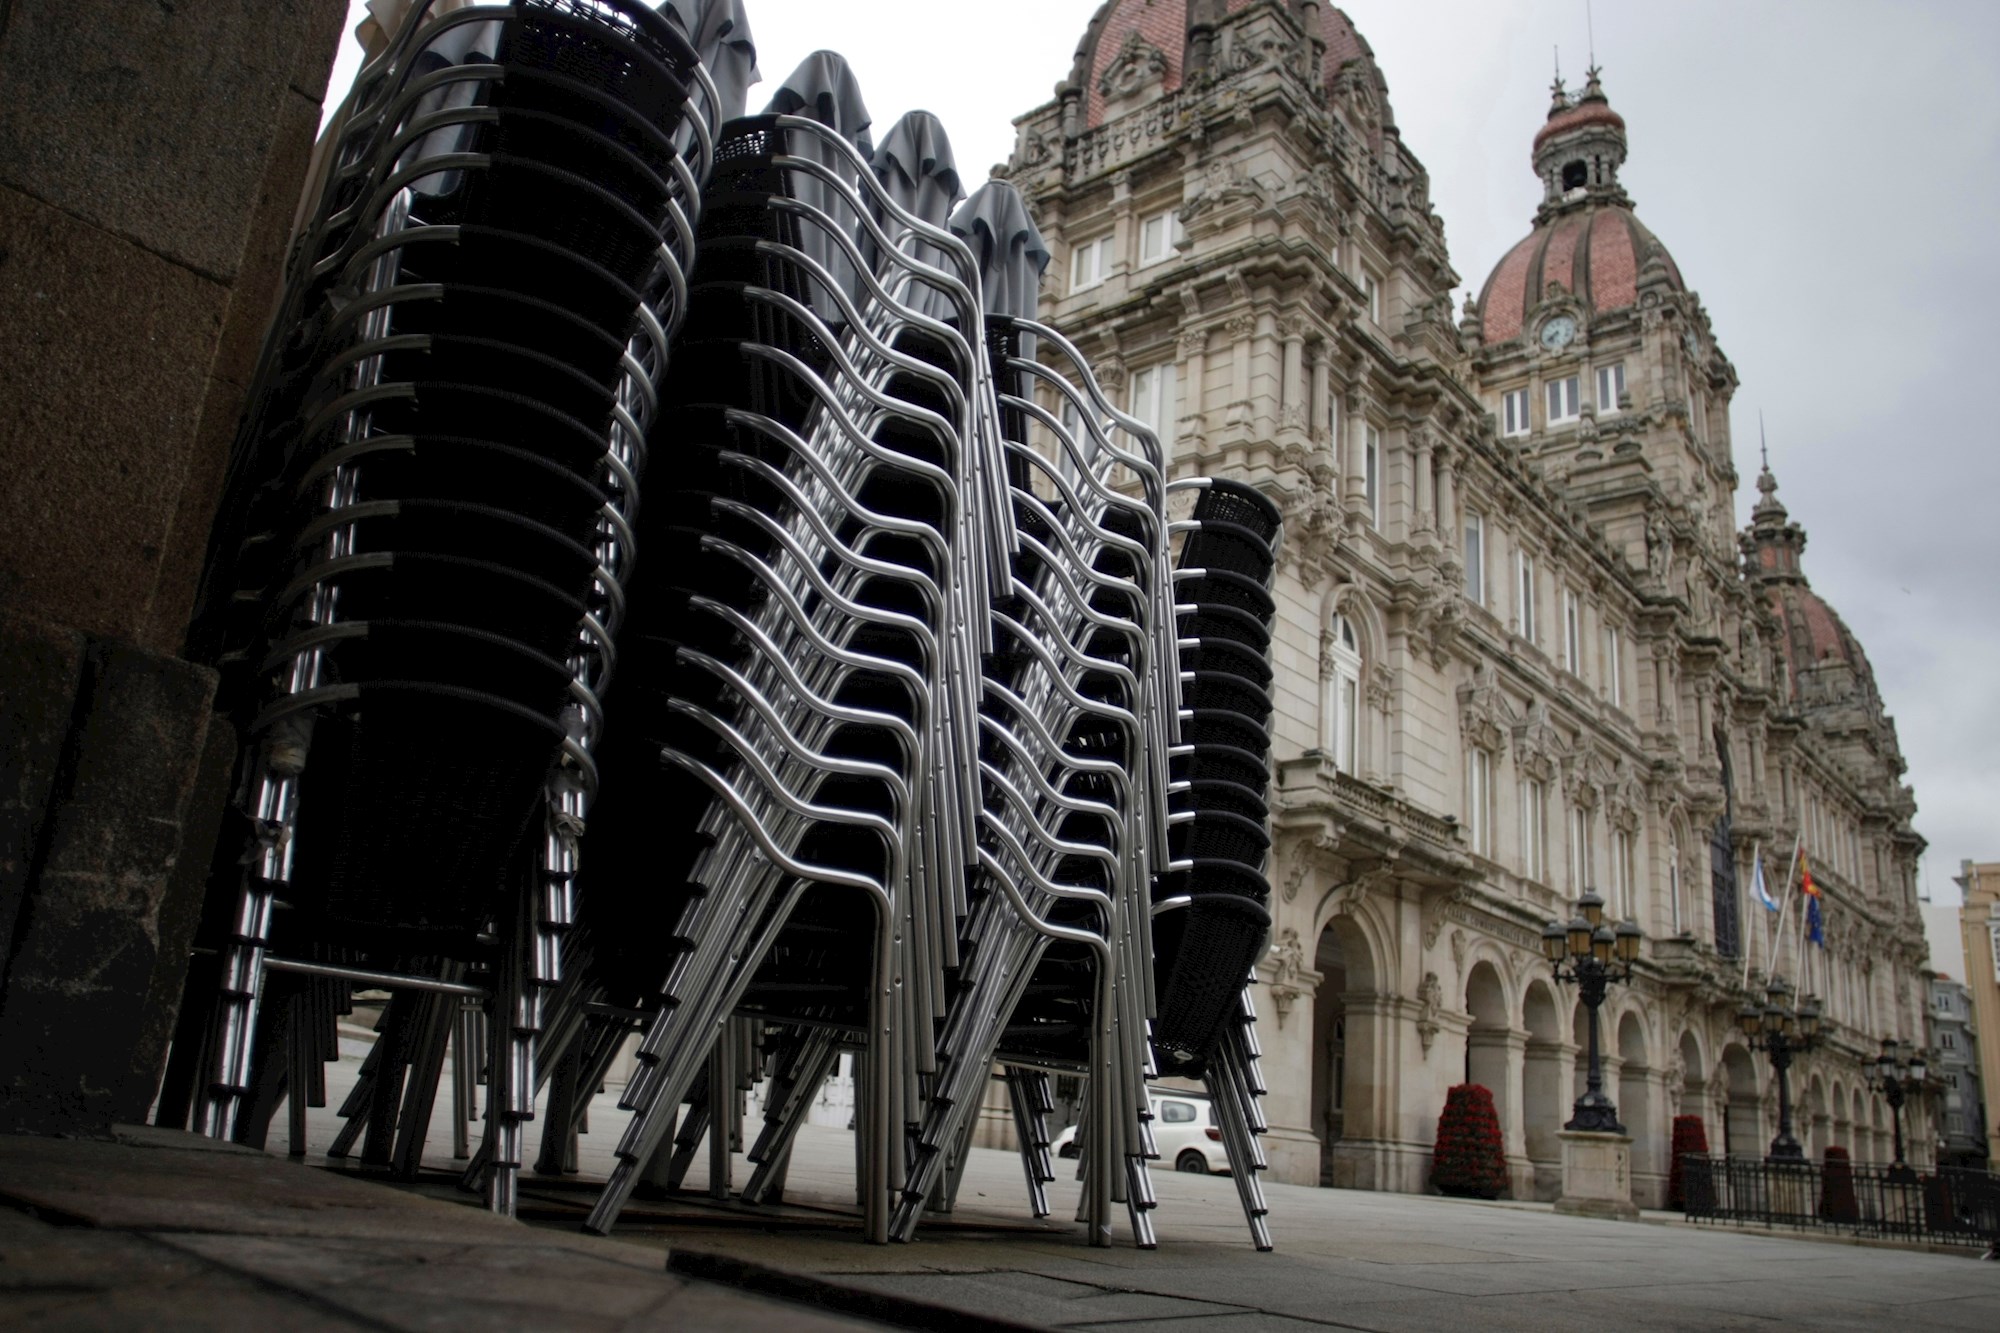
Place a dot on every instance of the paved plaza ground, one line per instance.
(1344, 1258)
(166, 1231)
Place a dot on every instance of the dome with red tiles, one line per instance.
(1587, 243)
(1163, 26)
(1823, 662)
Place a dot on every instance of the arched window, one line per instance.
(1340, 669)
(1575, 175)
(1676, 909)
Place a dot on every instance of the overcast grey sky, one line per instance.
(1825, 172)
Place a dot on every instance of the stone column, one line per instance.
(1355, 489)
(1448, 499)
(1265, 408)
(1239, 329)
(1193, 373)
(1294, 390)
(1420, 454)
(1322, 401)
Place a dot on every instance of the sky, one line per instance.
(1826, 173)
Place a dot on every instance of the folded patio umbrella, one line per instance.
(915, 167)
(823, 88)
(719, 31)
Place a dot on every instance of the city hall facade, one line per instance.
(1522, 650)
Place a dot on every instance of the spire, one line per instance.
(1773, 543)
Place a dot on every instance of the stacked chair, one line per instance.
(934, 742)
(1213, 909)
(416, 583)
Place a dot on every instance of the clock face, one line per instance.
(1558, 333)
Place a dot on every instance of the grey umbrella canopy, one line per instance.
(719, 31)
(1009, 247)
(824, 89)
(914, 165)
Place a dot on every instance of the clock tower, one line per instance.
(1596, 360)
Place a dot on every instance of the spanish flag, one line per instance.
(1814, 925)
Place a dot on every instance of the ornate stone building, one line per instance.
(1521, 650)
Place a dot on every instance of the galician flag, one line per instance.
(1814, 931)
(1757, 879)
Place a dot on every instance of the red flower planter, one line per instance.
(1836, 1196)
(1689, 1137)
(1468, 1161)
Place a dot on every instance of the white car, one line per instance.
(1184, 1131)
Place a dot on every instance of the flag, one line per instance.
(1814, 926)
(1757, 879)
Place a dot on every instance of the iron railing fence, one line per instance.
(1952, 1205)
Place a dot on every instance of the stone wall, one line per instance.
(150, 163)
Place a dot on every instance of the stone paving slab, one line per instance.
(164, 1231)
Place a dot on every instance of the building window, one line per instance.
(1158, 235)
(1621, 875)
(1614, 666)
(1371, 462)
(1947, 1041)
(1343, 696)
(1479, 802)
(1089, 263)
(1610, 387)
(1514, 412)
(1563, 402)
(1371, 290)
(1524, 594)
(1535, 829)
(1675, 912)
(1475, 558)
(1572, 646)
(1579, 849)
(1153, 398)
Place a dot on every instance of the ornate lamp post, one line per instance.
(1781, 1028)
(1598, 954)
(1899, 1072)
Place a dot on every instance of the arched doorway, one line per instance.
(1694, 1088)
(1635, 1108)
(1742, 1120)
(1488, 1048)
(1344, 1045)
(1544, 1105)
(1816, 1132)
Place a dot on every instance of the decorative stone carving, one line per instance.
(1138, 66)
(1430, 999)
(1458, 951)
(1435, 909)
(1381, 686)
(1484, 717)
(1288, 960)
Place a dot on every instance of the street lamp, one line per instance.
(1781, 1028)
(1598, 954)
(1898, 1072)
